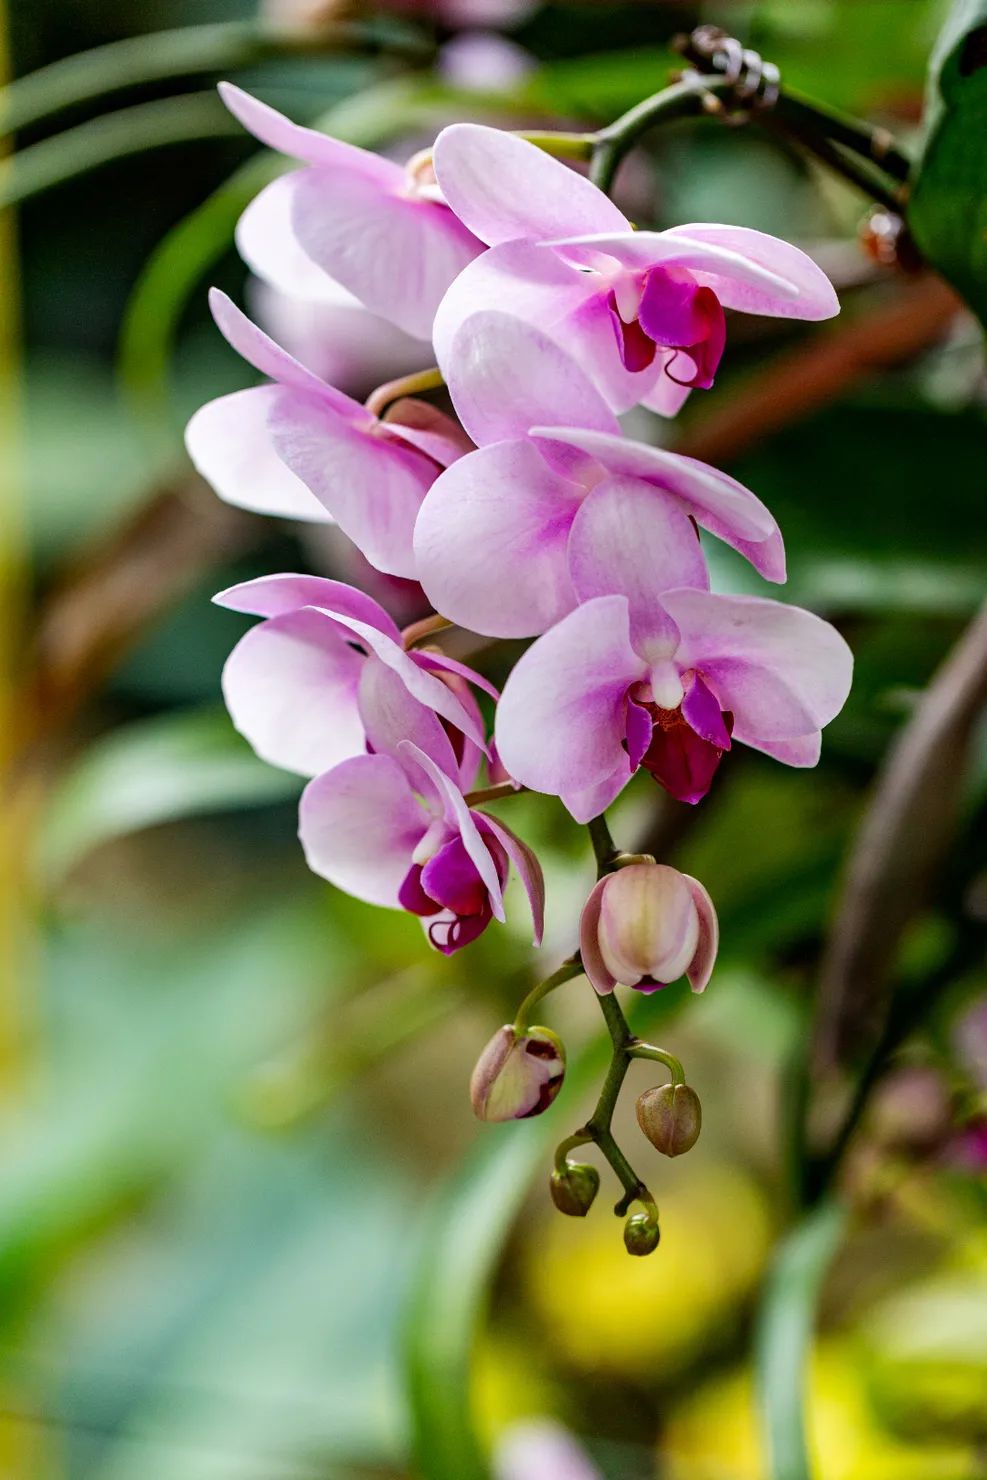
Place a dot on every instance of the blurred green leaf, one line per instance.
(947, 212)
(155, 771)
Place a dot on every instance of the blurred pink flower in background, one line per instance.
(541, 1449)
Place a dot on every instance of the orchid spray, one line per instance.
(526, 514)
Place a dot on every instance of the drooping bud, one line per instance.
(574, 1189)
(671, 1117)
(641, 1234)
(646, 925)
(517, 1074)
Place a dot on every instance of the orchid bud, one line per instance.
(574, 1189)
(671, 1117)
(517, 1074)
(641, 1234)
(646, 925)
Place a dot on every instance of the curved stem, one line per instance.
(427, 627)
(560, 144)
(407, 385)
(568, 969)
(498, 793)
(649, 1051)
(692, 95)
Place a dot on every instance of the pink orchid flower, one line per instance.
(627, 681)
(643, 311)
(301, 449)
(379, 228)
(324, 677)
(396, 831)
(566, 510)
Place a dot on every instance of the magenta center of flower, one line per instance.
(687, 743)
(675, 313)
(449, 886)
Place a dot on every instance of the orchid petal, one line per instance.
(802, 752)
(667, 396)
(503, 505)
(443, 663)
(562, 718)
(371, 485)
(460, 816)
(272, 596)
(816, 297)
(266, 241)
(644, 249)
(309, 144)
(528, 869)
(359, 825)
(717, 502)
(391, 715)
(397, 252)
(427, 429)
(600, 977)
(701, 968)
(290, 686)
(507, 375)
(230, 446)
(504, 188)
(629, 539)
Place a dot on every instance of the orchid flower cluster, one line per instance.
(526, 514)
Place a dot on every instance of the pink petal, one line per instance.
(528, 870)
(391, 715)
(643, 249)
(460, 816)
(816, 297)
(397, 252)
(371, 485)
(601, 978)
(562, 718)
(803, 752)
(666, 397)
(630, 539)
(272, 596)
(279, 133)
(507, 375)
(230, 446)
(427, 429)
(266, 241)
(784, 672)
(290, 685)
(701, 968)
(441, 662)
(717, 502)
(504, 188)
(359, 825)
(259, 350)
(503, 505)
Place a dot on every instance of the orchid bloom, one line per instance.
(379, 228)
(645, 926)
(395, 830)
(629, 680)
(324, 677)
(302, 449)
(643, 311)
(561, 506)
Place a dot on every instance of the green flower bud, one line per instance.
(641, 1234)
(517, 1074)
(671, 1117)
(574, 1189)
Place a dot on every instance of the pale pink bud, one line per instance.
(517, 1074)
(646, 925)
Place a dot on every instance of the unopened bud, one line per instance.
(671, 1117)
(517, 1074)
(646, 925)
(574, 1189)
(641, 1234)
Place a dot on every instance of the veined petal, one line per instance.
(803, 752)
(528, 870)
(459, 816)
(371, 485)
(701, 968)
(630, 539)
(600, 976)
(272, 596)
(315, 148)
(717, 502)
(290, 685)
(502, 506)
(359, 825)
(506, 375)
(230, 446)
(260, 350)
(391, 715)
(266, 241)
(783, 672)
(561, 721)
(504, 188)
(643, 249)
(396, 252)
(816, 298)
(666, 396)
(413, 423)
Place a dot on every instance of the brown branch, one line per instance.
(901, 845)
(914, 317)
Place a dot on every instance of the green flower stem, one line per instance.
(684, 99)
(408, 385)
(648, 1051)
(810, 120)
(185, 52)
(561, 145)
(498, 793)
(568, 969)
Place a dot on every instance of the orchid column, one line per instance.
(527, 513)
